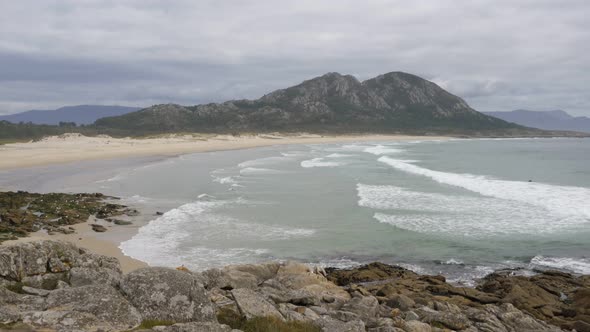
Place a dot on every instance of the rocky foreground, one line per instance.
(55, 286)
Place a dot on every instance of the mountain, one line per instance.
(333, 102)
(81, 114)
(549, 120)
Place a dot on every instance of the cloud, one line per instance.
(498, 55)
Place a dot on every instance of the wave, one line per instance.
(195, 235)
(263, 161)
(256, 171)
(320, 162)
(576, 265)
(565, 200)
(225, 179)
(339, 155)
(381, 150)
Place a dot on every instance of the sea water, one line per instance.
(461, 208)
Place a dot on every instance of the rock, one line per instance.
(194, 327)
(35, 291)
(32, 258)
(416, 326)
(98, 228)
(385, 329)
(366, 307)
(401, 302)
(302, 297)
(370, 272)
(167, 294)
(44, 281)
(410, 315)
(251, 304)
(506, 318)
(81, 276)
(240, 276)
(329, 324)
(87, 308)
(159, 213)
(296, 276)
(122, 222)
(451, 320)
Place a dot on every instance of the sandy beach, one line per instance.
(71, 148)
(74, 147)
(85, 237)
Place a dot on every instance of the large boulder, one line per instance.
(86, 308)
(240, 276)
(34, 258)
(167, 294)
(251, 304)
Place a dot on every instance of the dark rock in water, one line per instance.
(131, 212)
(98, 228)
(22, 212)
(166, 294)
(158, 213)
(122, 222)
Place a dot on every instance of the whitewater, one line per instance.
(461, 208)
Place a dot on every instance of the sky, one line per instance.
(498, 55)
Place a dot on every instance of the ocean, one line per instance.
(462, 208)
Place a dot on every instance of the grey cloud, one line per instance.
(498, 55)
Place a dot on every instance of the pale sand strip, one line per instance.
(72, 148)
(85, 239)
(57, 150)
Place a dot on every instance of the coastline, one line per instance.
(85, 237)
(76, 148)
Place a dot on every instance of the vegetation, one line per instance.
(150, 323)
(22, 212)
(263, 324)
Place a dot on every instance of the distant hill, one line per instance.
(550, 120)
(82, 114)
(333, 102)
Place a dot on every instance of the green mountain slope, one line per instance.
(393, 102)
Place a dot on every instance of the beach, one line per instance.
(72, 148)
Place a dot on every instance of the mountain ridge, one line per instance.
(80, 114)
(394, 101)
(547, 120)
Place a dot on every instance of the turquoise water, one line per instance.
(463, 208)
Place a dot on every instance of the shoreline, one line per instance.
(70, 148)
(75, 148)
(85, 237)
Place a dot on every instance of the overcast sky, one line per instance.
(497, 54)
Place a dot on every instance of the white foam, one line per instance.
(320, 162)
(198, 237)
(258, 171)
(339, 155)
(262, 161)
(225, 179)
(564, 200)
(577, 265)
(381, 150)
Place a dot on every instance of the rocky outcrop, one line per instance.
(23, 212)
(59, 287)
(166, 294)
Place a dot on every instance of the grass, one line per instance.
(263, 324)
(13, 140)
